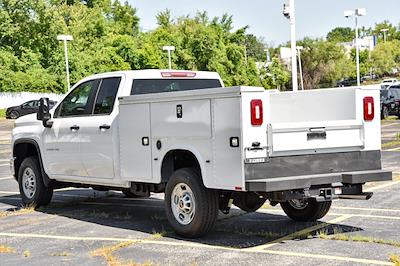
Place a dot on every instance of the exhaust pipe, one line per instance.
(362, 196)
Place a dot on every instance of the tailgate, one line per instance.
(320, 121)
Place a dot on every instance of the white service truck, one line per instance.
(203, 145)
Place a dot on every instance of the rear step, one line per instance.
(362, 196)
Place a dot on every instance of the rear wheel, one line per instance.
(32, 189)
(191, 208)
(305, 210)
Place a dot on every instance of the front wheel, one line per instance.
(305, 210)
(14, 114)
(191, 208)
(32, 189)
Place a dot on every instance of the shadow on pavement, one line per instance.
(238, 229)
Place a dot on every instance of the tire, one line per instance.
(193, 210)
(130, 194)
(248, 202)
(32, 189)
(385, 112)
(14, 114)
(308, 210)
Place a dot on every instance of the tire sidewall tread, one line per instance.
(43, 194)
(206, 204)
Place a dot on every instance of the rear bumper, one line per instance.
(305, 171)
(307, 181)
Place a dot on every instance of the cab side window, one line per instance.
(106, 95)
(79, 101)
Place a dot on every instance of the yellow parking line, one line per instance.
(382, 186)
(327, 257)
(342, 214)
(301, 232)
(364, 209)
(199, 245)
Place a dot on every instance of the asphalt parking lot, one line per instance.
(87, 227)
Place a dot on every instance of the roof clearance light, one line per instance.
(178, 74)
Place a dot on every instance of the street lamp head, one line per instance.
(361, 12)
(384, 30)
(348, 13)
(64, 37)
(168, 48)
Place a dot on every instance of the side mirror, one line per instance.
(43, 114)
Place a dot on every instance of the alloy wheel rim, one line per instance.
(183, 203)
(29, 183)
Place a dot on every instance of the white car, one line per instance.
(204, 146)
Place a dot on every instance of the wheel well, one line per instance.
(22, 151)
(177, 159)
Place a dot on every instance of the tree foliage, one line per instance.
(341, 34)
(107, 38)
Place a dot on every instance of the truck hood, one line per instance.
(27, 120)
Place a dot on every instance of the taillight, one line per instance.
(256, 112)
(368, 108)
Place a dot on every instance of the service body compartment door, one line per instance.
(135, 142)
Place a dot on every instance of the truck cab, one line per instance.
(205, 146)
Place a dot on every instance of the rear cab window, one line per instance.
(145, 86)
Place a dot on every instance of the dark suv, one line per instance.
(390, 101)
(26, 108)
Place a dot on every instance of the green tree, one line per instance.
(341, 34)
(386, 57)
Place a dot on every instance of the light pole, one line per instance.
(356, 13)
(384, 34)
(65, 39)
(299, 48)
(169, 49)
(289, 13)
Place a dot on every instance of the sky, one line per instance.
(314, 18)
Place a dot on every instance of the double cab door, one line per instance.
(80, 141)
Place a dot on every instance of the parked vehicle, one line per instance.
(389, 81)
(346, 83)
(390, 101)
(181, 133)
(24, 109)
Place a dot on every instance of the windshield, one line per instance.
(145, 86)
(384, 93)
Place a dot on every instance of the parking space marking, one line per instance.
(382, 186)
(200, 245)
(304, 231)
(388, 125)
(5, 178)
(394, 149)
(364, 209)
(327, 257)
(342, 214)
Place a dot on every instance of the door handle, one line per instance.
(104, 127)
(74, 128)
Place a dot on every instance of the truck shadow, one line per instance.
(237, 229)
